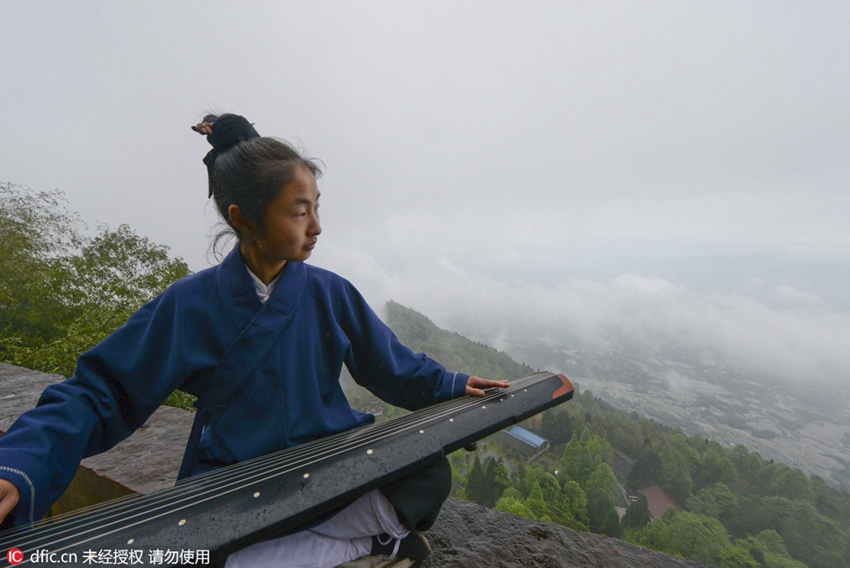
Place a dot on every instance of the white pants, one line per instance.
(344, 537)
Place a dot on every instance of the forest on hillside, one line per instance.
(62, 291)
(737, 509)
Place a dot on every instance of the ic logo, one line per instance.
(15, 556)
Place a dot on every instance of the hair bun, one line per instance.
(223, 132)
(230, 129)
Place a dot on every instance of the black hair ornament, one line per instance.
(227, 131)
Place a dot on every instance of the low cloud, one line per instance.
(795, 338)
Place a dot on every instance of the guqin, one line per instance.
(251, 501)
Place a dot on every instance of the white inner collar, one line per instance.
(263, 291)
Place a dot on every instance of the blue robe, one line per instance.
(175, 341)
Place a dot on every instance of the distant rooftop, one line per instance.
(525, 443)
(529, 438)
(658, 500)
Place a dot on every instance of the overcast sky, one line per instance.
(485, 161)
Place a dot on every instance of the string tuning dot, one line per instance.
(182, 522)
(306, 475)
(369, 452)
(256, 494)
(131, 541)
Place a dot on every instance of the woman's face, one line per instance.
(291, 226)
(289, 230)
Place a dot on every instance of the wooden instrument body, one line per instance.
(239, 505)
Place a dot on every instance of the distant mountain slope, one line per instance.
(453, 350)
(771, 505)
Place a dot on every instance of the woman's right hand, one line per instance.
(9, 497)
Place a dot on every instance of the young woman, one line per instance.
(286, 327)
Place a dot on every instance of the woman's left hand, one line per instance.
(475, 385)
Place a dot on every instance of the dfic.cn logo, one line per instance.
(15, 556)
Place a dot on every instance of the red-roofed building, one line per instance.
(658, 500)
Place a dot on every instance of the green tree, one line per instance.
(737, 555)
(37, 232)
(611, 525)
(678, 460)
(574, 502)
(576, 462)
(751, 517)
(475, 482)
(501, 475)
(637, 514)
(556, 425)
(587, 431)
(536, 503)
(61, 293)
(716, 501)
(603, 482)
(646, 470)
(602, 497)
(793, 484)
(768, 548)
(548, 485)
(748, 464)
(809, 536)
(109, 280)
(119, 268)
(831, 502)
(600, 449)
(494, 481)
(685, 534)
(715, 467)
(513, 503)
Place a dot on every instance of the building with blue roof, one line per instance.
(527, 444)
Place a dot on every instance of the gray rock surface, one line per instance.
(471, 536)
(146, 461)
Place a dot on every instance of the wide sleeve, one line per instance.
(116, 387)
(378, 361)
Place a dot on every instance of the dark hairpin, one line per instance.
(223, 133)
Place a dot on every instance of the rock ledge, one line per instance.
(471, 536)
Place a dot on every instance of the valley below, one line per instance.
(802, 426)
